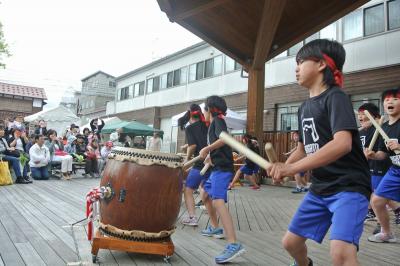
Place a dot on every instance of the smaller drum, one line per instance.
(145, 193)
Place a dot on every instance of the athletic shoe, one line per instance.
(297, 190)
(370, 216)
(198, 204)
(203, 207)
(310, 263)
(214, 232)
(382, 238)
(397, 217)
(377, 229)
(304, 189)
(230, 252)
(192, 221)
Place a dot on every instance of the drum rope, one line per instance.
(91, 212)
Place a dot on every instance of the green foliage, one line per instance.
(3, 47)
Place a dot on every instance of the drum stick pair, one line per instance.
(379, 129)
(188, 164)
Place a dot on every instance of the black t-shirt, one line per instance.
(320, 117)
(393, 132)
(222, 157)
(254, 148)
(376, 167)
(196, 134)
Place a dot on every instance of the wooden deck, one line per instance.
(35, 229)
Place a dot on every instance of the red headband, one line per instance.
(337, 74)
(391, 95)
(200, 115)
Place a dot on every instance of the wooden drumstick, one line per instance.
(375, 136)
(191, 162)
(251, 155)
(379, 129)
(271, 154)
(205, 168)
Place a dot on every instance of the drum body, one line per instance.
(146, 190)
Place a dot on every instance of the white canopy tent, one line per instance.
(234, 121)
(58, 118)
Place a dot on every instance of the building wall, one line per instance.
(10, 107)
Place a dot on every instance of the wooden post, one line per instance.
(255, 103)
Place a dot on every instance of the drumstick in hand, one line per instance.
(375, 136)
(271, 154)
(251, 155)
(379, 129)
(205, 168)
(191, 162)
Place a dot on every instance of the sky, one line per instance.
(56, 43)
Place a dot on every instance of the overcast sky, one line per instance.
(56, 43)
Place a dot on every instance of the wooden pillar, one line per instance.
(255, 102)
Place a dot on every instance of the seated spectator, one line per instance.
(31, 142)
(86, 133)
(5, 149)
(104, 152)
(92, 156)
(41, 128)
(39, 159)
(58, 154)
(73, 131)
(18, 142)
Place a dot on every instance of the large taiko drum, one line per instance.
(143, 193)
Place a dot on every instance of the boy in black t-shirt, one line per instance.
(196, 135)
(378, 168)
(389, 187)
(330, 146)
(216, 187)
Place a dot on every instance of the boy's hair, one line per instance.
(194, 110)
(86, 129)
(323, 49)
(37, 137)
(371, 108)
(391, 93)
(215, 105)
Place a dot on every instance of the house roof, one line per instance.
(98, 72)
(20, 90)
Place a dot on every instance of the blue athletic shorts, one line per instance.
(194, 178)
(343, 212)
(375, 181)
(248, 170)
(389, 187)
(217, 184)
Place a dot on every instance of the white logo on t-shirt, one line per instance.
(363, 140)
(310, 132)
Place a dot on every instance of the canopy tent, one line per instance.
(130, 127)
(58, 118)
(107, 121)
(233, 120)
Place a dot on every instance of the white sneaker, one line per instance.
(382, 238)
(192, 221)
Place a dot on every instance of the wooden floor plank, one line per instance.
(29, 254)
(8, 252)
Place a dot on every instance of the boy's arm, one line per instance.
(206, 150)
(296, 154)
(190, 151)
(371, 155)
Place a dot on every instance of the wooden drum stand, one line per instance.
(101, 241)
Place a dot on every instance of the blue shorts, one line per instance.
(375, 181)
(389, 187)
(194, 178)
(248, 170)
(217, 185)
(343, 212)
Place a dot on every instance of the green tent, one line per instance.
(130, 127)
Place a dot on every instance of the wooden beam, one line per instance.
(271, 16)
(255, 102)
(183, 12)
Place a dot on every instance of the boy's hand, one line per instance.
(279, 170)
(369, 154)
(204, 152)
(392, 145)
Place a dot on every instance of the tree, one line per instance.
(3, 47)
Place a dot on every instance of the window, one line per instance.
(199, 70)
(156, 84)
(312, 37)
(163, 79)
(231, 65)
(289, 122)
(374, 21)
(352, 25)
(170, 78)
(283, 54)
(138, 89)
(209, 68)
(131, 91)
(111, 84)
(149, 85)
(394, 14)
(192, 72)
(217, 65)
(294, 49)
(177, 77)
(329, 32)
(124, 94)
(183, 75)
